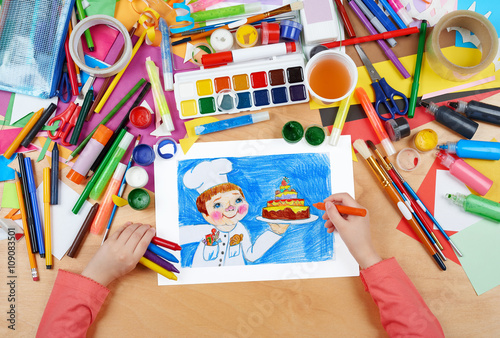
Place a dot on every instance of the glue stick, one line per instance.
(104, 212)
(89, 154)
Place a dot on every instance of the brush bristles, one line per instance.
(361, 147)
(371, 145)
(297, 5)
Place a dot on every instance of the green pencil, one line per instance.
(418, 66)
(81, 15)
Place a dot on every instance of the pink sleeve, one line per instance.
(403, 312)
(72, 307)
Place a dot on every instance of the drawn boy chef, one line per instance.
(226, 241)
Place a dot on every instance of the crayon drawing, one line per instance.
(253, 210)
(243, 210)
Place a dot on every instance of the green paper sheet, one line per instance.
(481, 254)
(106, 7)
(9, 197)
(44, 150)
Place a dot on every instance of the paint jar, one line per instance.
(199, 50)
(397, 128)
(292, 132)
(330, 76)
(143, 155)
(222, 40)
(247, 36)
(227, 100)
(426, 140)
(408, 159)
(141, 117)
(270, 33)
(136, 177)
(138, 199)
(166, 147)
(315, 135)
(290, 30)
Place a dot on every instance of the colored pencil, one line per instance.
(81, 15)
(156, 268)
(46, 217)
(84, 229)
(345, 19)
(418, 66)
(27, 204)
(166, 244)
(343, 209)
(20, 137)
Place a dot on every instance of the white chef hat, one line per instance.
(208, 174)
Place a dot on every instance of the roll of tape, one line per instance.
(477, 24)
(92, 21)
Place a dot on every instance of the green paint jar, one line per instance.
(315, 135)
(292, 132)
(477, 205)
(138, 199)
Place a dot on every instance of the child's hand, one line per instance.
(120, 253)
(354, 230)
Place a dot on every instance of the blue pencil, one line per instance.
(162, 253)
(393, 14)
(34, 205)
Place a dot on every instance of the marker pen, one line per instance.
(248, 54)
(473, 149)
(465, 173)
(375, 21)
(451, 119)
(231, 123)
(477, 205)
(34, 206)
(478, 111)
(379, 13)
(401, 11)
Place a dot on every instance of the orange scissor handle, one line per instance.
(68, 120)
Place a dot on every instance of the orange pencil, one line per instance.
(31, 256)
(343, 209)
(20, 137)
(46, 208)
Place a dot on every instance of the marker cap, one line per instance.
(102, 134)
(388, 146)
(75, 176)
(260, 117)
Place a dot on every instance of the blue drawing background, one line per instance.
(259, 177)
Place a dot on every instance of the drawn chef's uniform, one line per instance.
(233, 247)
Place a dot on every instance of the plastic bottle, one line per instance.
(451, 119)
(465, 173)
(477, 205)
(473, 149)
(104, 212)
(89, 154)
(478, 111)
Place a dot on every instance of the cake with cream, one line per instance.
(286, 205)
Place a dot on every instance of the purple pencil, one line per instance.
(388, 52)
(161, 262)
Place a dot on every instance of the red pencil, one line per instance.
(71, 68)
(380, 36)
(347, 23)
(166, 244)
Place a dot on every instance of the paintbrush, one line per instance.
(362, 148)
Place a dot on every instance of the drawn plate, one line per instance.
(311, 218)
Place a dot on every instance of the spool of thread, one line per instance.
(397, 128)
(408, 159)
(143, 155)
(426, 140)
(247, 36)
(138, 199)
(199, 50)
(292, 132)
(315, 135)
(290, 30)
(221, 40)
(136, 177)
(227, 100)
(166, 147)
(270, 33)
(141, 117)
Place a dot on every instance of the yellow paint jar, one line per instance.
(426, 140)
(247, 36)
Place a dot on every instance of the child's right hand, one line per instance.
(354, 230)
(120, 253)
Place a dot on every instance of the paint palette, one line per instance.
(257, 84)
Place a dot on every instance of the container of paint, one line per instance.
(143, 154)
(141, 117)
(247, 36)
(166, 147)
(290, 30)
(227, 100)
(136, 177)
(425, 140)
(138, 199)
(292, 132)
(222, 40)
(397, 128)
(270, 33)
(473, 149)
(315, 135)
(451, 119)
(330, 76)
(477, 205)
(408, 159)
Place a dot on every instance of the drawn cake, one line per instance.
(286, 205)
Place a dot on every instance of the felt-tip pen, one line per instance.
(231, 123)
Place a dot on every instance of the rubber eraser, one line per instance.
(320, 22)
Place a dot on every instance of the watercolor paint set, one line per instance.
(242, 86)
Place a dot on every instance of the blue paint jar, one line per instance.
(473, 149)
(290, 30)
(143, 155)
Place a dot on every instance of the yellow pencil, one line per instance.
(17, 141)
(46, 212)
(118, 76)
(156, 268)
(31, 256)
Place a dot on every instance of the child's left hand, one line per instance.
(278, 229)
(120, 253)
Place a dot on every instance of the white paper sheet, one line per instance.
(451, 216)
(64, 225)
(167, 211)
(24, 104)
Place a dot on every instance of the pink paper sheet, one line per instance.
(104, 37)
(7, 136)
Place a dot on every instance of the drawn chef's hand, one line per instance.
(278, 229)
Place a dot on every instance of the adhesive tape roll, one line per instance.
(92, 21)
(477, 24)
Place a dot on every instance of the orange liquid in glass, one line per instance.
(329, 79)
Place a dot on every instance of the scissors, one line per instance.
(67, 119)
(384, 94)
(64, 85)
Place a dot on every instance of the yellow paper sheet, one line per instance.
(490, 169)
